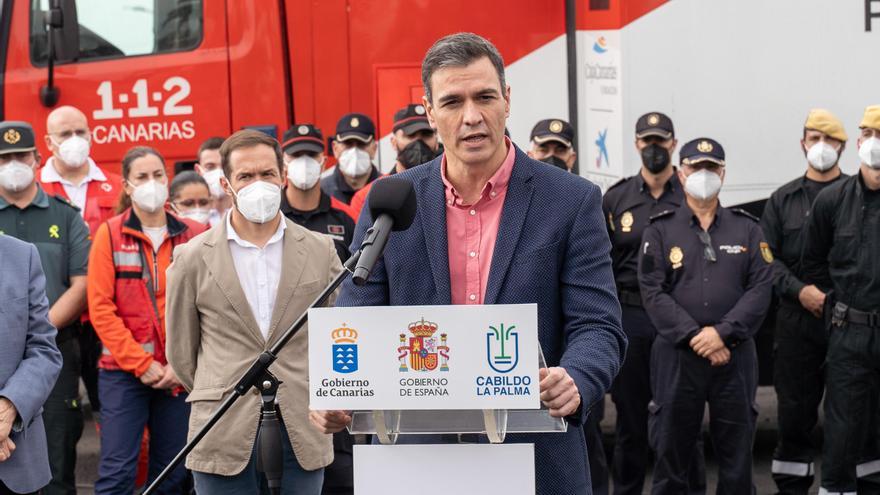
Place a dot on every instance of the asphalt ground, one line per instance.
(765, 441)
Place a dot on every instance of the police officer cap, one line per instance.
(553, 130)
(702, 150)
(825, 122)
(411, 119)
(654, 124)
(871, 119)
(355, 126)
(16, 137)
(303, 137)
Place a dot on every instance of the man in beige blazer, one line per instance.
(232, 292)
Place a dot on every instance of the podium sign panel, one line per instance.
(444, 469)
(424, 357)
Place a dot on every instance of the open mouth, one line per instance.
(474, 138)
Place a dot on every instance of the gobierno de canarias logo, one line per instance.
(345, 349)
(424, 351)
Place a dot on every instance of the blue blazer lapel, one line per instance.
(432, 214)
(513, 217)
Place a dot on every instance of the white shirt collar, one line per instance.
(50, 174)
(232, 235)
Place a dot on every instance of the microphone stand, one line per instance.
(269, 454)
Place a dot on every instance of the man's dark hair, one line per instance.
(248, 138)
(212, 143)
(459, 50)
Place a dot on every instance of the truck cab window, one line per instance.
(124, 28)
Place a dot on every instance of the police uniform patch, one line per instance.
(355, 122)
(654, 119)
(705, 147)
(302, 130)
(676, 256)
(766, 253)
(12, 136)
(626, 221)
(419, 110)
(556, 126)
(336, 229)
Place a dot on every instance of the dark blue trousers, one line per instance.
(682, 383)
(127, 406)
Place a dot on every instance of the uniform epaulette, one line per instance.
(740, 211)
(662, 214)
(64, 201)
(621, 181)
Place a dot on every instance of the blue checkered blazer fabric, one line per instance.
(553, 250)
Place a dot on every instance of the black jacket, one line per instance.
(841, 251)
(784, 222)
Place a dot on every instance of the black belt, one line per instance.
(630, 298)
(841, 313)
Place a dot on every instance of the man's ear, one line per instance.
(429, 112)
(571, 159)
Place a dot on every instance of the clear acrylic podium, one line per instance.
(494, 423)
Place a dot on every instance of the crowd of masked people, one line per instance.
(694, 282)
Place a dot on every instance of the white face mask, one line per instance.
(822, 156)
(150, 196)
(259, 201)
(703, 184)
(15, 176)
(355, 162)
(304, 172)
(74, 151)
(200, 215)
(212, 177)
(869, 153)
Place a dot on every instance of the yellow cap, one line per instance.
(871, 118)
(824, 121)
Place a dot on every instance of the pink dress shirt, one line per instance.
(471, 231)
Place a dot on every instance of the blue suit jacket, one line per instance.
(29, 361)
(553, 250)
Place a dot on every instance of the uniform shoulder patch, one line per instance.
(662, 214)
(740, 211)
(64, 201)
(621, 181)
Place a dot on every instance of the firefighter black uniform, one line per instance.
(841, 255)
(800, 338)
(692, 278)
(627, 206)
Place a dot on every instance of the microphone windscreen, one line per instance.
(397, 198)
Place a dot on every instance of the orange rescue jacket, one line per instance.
(126, 290)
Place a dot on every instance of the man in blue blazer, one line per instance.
(496, 227)
(29, 364)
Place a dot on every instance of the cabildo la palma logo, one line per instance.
(502, 355)
(345, 350)
(424, 351)
(502, 348)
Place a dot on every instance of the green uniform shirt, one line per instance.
(61, 236)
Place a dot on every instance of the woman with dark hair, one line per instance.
(190, 197)
(126, 293)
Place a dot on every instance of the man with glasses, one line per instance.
(705, 277)
(70, 173)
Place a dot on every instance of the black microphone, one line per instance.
(392, 203)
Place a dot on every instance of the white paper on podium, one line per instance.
(460, 469)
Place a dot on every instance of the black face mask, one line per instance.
(556, 162)
(415, 153)
(655, 158)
